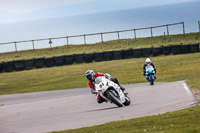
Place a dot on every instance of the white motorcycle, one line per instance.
(111, 91)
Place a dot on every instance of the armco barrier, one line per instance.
(99, 56)
(79, 58)
(194, 48)
(108, 55)
(8, 66)
(19, 65)
(1, 67)
(89, 57)
(29, 64)
(117, 55)
(39, 62)
(176, 49)
(137, 53)
(127, 53)
(157, 51)
(69, 59)
(147, 52)
(166, 50)
(59, 60)
(49, 62)
(185, 48)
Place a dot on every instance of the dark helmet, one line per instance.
(90, 75)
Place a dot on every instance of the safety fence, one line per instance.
(20, 65)
(84, 36)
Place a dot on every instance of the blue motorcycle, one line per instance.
(150, 74)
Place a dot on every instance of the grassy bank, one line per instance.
(183, 121)
(169, 68)
(106, 46)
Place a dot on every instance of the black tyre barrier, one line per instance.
(127, 53)
(157, 51)
(147, 52)
(176, 49)
(185, 48)
(19, 65)
(167, 50)
(8, 66)
(79, 58)
(49, 62)
(99, 56)
(69, 59)
(59, 60)
(89, 58)
(137, 53)
(29, 64)
(117, 55)
(39, 62)
(1, 67)
(194, 48)
(108, 55)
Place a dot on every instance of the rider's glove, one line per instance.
(93, 91)
(107, 75)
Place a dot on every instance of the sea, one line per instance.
(189, 13)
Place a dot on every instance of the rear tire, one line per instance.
(112, 96)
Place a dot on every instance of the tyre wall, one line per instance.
(19, 65)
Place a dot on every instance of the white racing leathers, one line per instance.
(111, 92)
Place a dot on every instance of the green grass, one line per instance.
(169, 68)
(183, 121)
(106, 46)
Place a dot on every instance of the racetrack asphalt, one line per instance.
(69, 109)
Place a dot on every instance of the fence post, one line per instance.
(102, 37)
(50, 42)
(151, 32)
(118, 35)
(16, 46)
(67, 40)
(84, 39)
(33, 44)
(135, 33)
(167, 30)
(199, 25)
(183, 28)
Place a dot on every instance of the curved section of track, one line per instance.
(67, 109)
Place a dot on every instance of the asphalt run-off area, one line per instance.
(69, 109)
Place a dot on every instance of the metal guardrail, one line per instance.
(101, 34)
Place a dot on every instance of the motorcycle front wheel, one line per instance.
(111, 95)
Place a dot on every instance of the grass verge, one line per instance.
(183, 121)
(106, 46)
(169, 68)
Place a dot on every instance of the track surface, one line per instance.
(68, 109)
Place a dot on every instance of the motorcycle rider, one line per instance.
(91, 76)
(148, 62)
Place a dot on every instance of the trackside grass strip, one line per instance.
(183, 121)
(129, 71)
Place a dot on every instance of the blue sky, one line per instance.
(24, 10)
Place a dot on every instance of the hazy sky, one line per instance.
(22, 10)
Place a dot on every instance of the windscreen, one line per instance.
(98, 80)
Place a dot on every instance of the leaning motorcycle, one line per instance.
(111, 91)
(150, 73)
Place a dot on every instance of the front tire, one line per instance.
(151, 80)
(128, 101)
(112, 96)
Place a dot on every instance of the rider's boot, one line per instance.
(123, 89)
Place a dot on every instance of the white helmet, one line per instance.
(147, 61)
